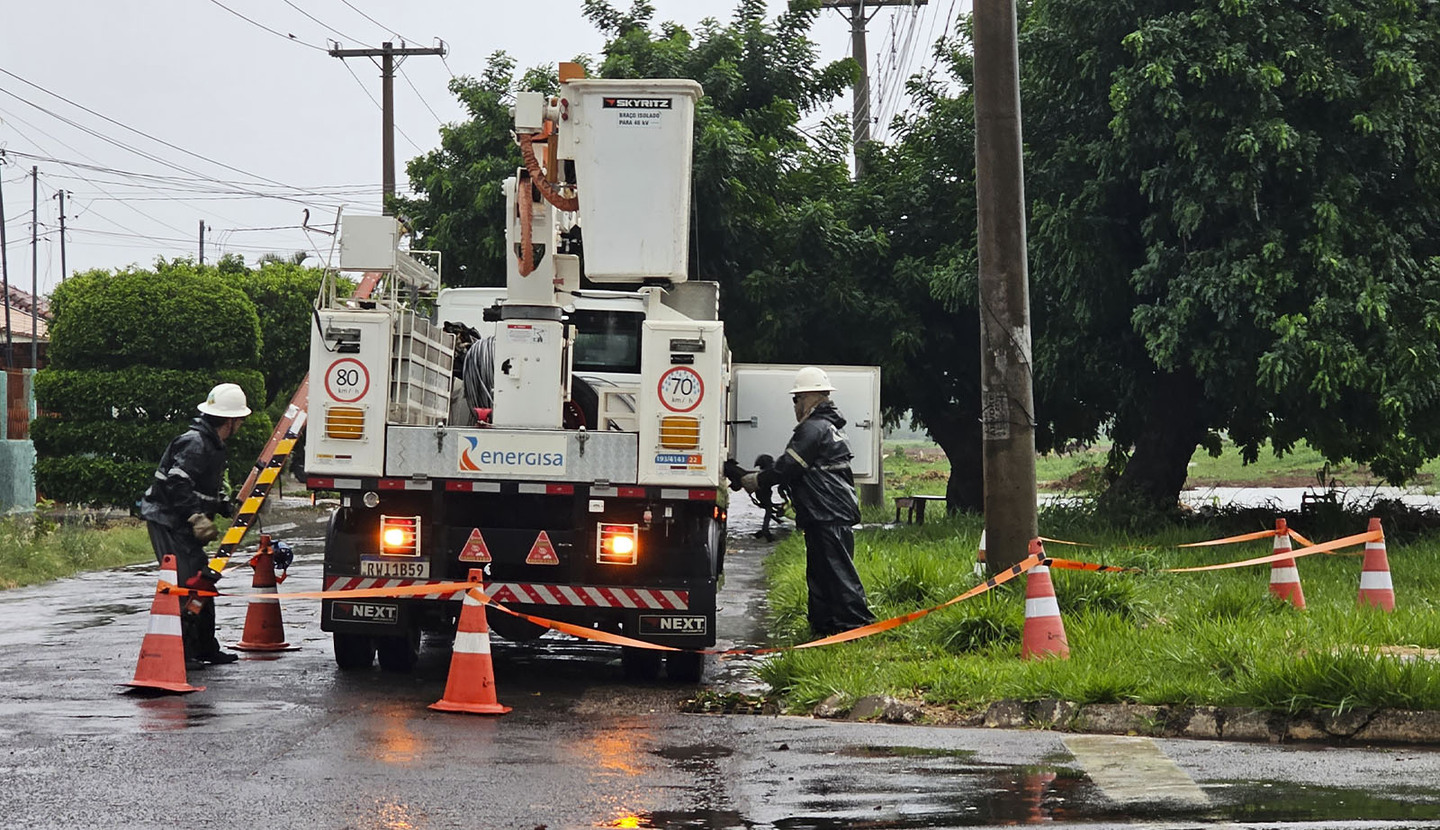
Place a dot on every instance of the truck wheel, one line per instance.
(684, 666)
(640, 663)
(353, 651)
(399, 654)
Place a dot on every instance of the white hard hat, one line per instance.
(811, 379)
(226, 401)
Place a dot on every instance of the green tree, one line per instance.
(284, 294)
(1237, 201)
(133, 352)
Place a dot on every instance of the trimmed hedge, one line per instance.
(179, 316)
(91, 462)
(75, 479)
(137, 393)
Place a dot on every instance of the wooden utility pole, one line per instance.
(64, 272)
(859, 17)
(390, 60)
(1007, 403)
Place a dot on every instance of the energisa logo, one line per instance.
(636, 103)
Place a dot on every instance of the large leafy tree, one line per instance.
(1236, 202)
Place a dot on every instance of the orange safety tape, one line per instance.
(1247, 537)
(1073, 565)
(1348, 541)
(616, 639)
(1063, 542)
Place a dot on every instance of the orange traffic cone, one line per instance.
(162, 653)
(264, 630)
(1376, 589)
(1284, 576)
(980, 566)
(1044, 630)
(471, 684)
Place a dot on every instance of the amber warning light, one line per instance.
(617, 544)
(400, 535)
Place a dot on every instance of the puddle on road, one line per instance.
(94, 616)
(979, 795)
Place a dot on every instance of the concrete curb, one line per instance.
(1226, 723)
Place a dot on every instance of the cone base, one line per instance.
(471, 708)
(244, 646)
(163, 686)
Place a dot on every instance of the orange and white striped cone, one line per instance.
(1044, 630)
(1284, 576)
(980, 566)
(471, 684)
(1376, 589)
(162, 653)
(264, 629)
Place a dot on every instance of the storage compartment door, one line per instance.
(763, 416)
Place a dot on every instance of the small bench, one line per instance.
(914, 507)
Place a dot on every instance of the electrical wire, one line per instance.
(323, 24)
(290, 38)
(366, 90)
(360, 12)
(438, 120)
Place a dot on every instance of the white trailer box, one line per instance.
(631, 144)
(763, 415)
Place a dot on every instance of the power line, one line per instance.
(421, 97)
(144, 134)
(290, 38)
(358, 11)
(369, 95)
(322, 23)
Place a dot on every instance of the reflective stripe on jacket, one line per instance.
(816, 467)
(189, 478)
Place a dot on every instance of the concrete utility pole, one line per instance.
(388, 55)
(5, 281)
(34, 267)
(858, 17)
(64, 272)
(1007, 402)
(202, 241)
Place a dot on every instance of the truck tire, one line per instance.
(640, 663)
(353, 651)
(399, 654)
(684, 666)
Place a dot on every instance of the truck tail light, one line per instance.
(345, 422)
(617, 544)
(678, 432)
(400, 535)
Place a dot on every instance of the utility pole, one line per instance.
(5, 279)
(34, 267)
(202, 241)
(64, 272)
(860, 95)
(1007, 402)
(390, 60)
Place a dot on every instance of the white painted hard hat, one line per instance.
(226, 401)
(811, 379)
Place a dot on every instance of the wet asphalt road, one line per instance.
(284, 741)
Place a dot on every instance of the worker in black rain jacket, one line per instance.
(180, 507)
(816, 468)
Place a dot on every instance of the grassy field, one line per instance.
(921, 468)
(1214, 638)
(36, 550)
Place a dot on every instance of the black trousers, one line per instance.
(836, 599)
(197, 628)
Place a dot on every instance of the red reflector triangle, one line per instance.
(542, 552)
(475, 549)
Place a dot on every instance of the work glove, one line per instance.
(226, 508)
(204, 528)
(751, 482)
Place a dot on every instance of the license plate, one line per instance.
(394, 568)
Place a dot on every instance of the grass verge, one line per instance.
(1214, 638)
(34, 550)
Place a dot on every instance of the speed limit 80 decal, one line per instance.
(347, 380)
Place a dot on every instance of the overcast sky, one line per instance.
(197, 114)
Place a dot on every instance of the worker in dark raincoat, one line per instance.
(816, 468)
(180, 507)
